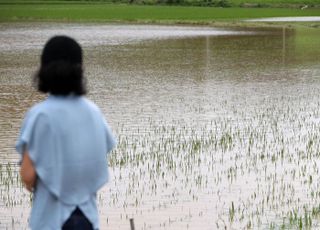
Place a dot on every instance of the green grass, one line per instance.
(136, 13)
(231, 2)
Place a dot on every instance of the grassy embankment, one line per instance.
(218, 3)
(108, 12)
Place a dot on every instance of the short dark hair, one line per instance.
(61, 70)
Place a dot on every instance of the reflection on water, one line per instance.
(216, 128)
(22, 37)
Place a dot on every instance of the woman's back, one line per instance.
(63, 142)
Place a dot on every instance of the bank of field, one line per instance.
(216, 3)
(137, 13)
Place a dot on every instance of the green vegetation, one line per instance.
(216, 3)
(138, 13)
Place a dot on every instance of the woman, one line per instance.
(63, 144)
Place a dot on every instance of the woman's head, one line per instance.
(61, 71)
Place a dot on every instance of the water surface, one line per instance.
(216, 127)
(286, 19)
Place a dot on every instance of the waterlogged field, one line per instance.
(217, 128)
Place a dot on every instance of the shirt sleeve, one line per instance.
(25, 132)
(110, 139)
(23, 136)
(34, 137)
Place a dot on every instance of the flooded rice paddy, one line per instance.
(217, 128)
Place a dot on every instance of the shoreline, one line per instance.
(148, 14)
(234, 24)
(249, 4)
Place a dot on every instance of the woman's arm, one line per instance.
(28, 172)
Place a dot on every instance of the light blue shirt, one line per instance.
(68, 140)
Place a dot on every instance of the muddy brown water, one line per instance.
(217, 128)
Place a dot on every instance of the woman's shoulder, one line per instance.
(35, 115)
(43, 108)
(38, 108)
(91, 105)
(51, 107)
